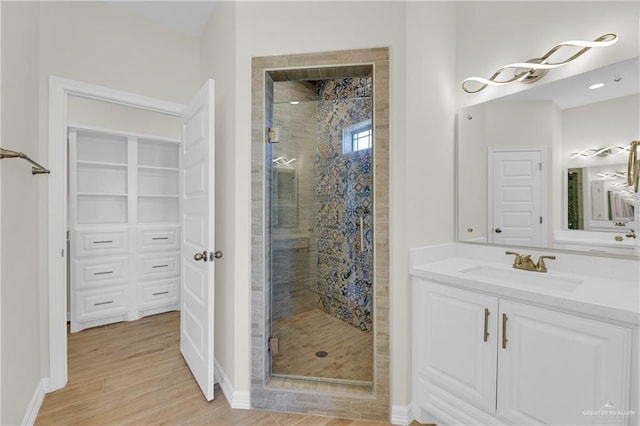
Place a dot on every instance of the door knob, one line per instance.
(200, 256)
(498, 230)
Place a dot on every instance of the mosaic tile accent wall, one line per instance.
(344, 191)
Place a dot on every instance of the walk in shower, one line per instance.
(320, 233)
(320, 157)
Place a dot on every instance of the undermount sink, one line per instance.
(541, 280)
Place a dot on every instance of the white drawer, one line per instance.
(158, 266)
(94, 243)
(154, 239)
(159, 293)
(100, 272)
(95, 304)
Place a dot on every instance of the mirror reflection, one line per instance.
(285, 196)
(546, 167)
(598, 198)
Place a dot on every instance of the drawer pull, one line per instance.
(160, 293)
(160, 266)
(160, 238)
(103, 273)
(103, 303)
(103, 242)
(486, 324)
(504, 331)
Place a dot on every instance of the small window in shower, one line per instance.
(357, 137)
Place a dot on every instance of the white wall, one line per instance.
(107, 115)
(421, 166)
(20, 320)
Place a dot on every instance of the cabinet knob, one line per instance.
(498, 230)
(201, 256)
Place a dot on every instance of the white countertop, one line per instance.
(601, 287)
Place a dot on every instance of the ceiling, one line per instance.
(187, 17)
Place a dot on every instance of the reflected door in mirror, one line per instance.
(515, 192)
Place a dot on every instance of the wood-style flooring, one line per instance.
(132, 373)
(349, 350)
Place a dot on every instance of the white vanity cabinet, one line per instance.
(480, 359)
(124, 226)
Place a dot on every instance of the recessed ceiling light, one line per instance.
(596, 86)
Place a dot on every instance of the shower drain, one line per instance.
(322, 354)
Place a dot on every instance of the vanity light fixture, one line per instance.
(596, 86)
(602, 152)
(294, 102)
(536, 68)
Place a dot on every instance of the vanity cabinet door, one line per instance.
(555, 368)
(455, 344)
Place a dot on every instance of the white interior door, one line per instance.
(515, 188)
(197, 241)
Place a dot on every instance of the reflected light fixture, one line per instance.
(283, 161)
(602, 152)
(536, 68)
(596, 86)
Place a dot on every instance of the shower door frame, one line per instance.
(307, 396)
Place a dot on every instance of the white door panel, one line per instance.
(461, 328)
(515, 188)
(553, 367)
(197, 219)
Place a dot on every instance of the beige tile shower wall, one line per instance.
(298, 139)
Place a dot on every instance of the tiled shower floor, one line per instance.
(349, 350)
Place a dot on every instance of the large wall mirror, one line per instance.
(531, 169)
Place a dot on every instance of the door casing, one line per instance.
(59, 90)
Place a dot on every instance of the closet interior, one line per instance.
(124, 197)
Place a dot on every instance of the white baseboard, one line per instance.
(402, 414)
(35, 403)
(236, 399)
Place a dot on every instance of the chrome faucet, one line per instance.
(524, 262)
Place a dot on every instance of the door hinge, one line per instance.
(540, 219)
(274, 345)
(273, 135)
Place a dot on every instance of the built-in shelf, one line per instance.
(108, 179)
(168, 169)
(158, 209)
(158, 182)
(154, 153)
(101, 209)
(122, 186)
(101, 147)
(101, 163)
